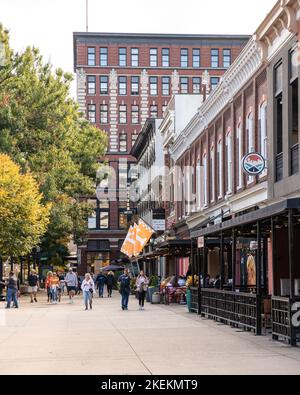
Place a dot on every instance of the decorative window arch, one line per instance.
(212, 173)
(198, 185)
(250, 139)
(263, 132)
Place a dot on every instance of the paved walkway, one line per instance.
(65, 339)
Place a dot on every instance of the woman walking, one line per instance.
(110, 283)
(141, 286)
(48, 285)
(54, 284)
(88, 289)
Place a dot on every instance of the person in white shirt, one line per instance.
(88, 289)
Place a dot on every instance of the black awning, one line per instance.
(263, 213)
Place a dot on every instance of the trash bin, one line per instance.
(189, 300)
(156, 298)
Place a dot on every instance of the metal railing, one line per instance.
(231, 308)
(279, 166)
(281, 325)
(295, 159)
(194, 300)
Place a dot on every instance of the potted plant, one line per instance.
(153, 287)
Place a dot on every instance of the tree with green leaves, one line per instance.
(42, 130)
(23, 216)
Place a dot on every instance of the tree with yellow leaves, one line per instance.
(23, 217)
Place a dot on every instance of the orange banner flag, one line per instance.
(142, 236)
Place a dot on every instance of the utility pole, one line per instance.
(87, 15)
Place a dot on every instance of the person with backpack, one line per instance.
(142, 286)
(100, 282)
(124, 281)
(72, 284)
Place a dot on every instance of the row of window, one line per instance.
(287, 99)
(220, 162)
(100, 217)
(122, 115)
(153, 85)
(185, 61)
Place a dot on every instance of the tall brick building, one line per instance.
(124, 79)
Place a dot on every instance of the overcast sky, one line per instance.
(49, 24)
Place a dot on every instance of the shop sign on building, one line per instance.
(254, 164)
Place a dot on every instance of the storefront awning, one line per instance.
(254, 216)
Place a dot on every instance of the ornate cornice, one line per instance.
(240, 72)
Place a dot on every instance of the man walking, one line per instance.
(72, 284)
(33, 285)
(100, 282)
(124, 281)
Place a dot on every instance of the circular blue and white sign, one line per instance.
(253, 164)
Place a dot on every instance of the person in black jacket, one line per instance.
(100, 282)
(110, 283)
(124, 281)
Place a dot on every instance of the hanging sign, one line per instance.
(296, 315)
(253, 164)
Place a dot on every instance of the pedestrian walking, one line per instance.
(72, 284)
(88, 289)
(33, 285)
(12, 290)
(110, 283)
(142, 283)
(124, 281)
(48, 285)
(54, 284)
(100, 282)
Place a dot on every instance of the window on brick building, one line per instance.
(214, 55)
(123, 219)
(92, 113)
(122, 86)
(263, 133)
(278, 112)
(229, 163)
(135, 86)
(104, 219)
(135, 115)
(184, 85)
(153, 86)
(196, 58)
(196, 85)
(134, 137)
(250, 139)
(198, 186)
(294, 118)
(103, 85)
(226, 58)
(184, 57)
(104, 114)
(153, 111)
(165, 57)
(122, 114)
(153, 57)
(205, 180)
(91, 56)
(91, 83)
(214, 81)
(103, 56)
(239, 146)
(123, 175)
(166, 86)
(123, 142)
(220, 169)
(122, 57)
(212, 174)
(134, 57)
